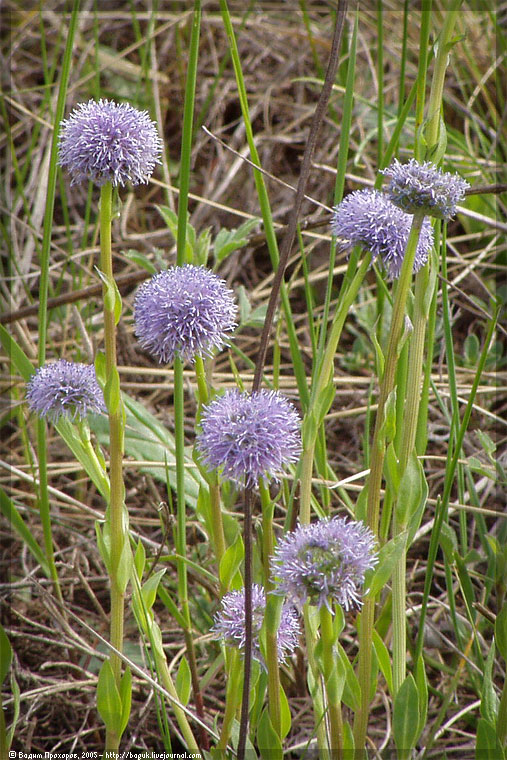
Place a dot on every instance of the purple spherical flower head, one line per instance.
(229, 624)
(324, 562)
(183, 311)
(103, 141)
(423, 187)
(65, 389)
(249, 435)
(368, 218)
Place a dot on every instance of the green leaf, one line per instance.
(284, 714)
(11, 514)
(108, 698)
(448, 541)
(140, 559)
(112, 391)
(124, 569)
(361, 508)
(309, 431)
(406, 717)
(472, 349)
(389, 554)
(140, 259)
(351, 695)
(5, 654)
(269, 743)
(112, 297)
(422, 689)
(184, 681)
(103, 544)
(323, 403)
(489, 700)
(16, 698)
(85, 454)
(388, 429)
(247, 316)
(379, 355)
(391, 469)
(17, 356)
(417, 514)
(487, 746)
(171, 219)
(150, 588)
(148, 440)
(501, 631)
(126, 698)
(348, 740)
(410, 491)
(231, 561)
(487, 443)
(384, 659)
(202, 247)
(228, 241)
(432, 281)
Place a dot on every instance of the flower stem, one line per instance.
(437, 84)
(324, 376)
(410, 417)
(316, 688)
(329, 663)
(217, 524)
(181, 534)
(232, 698)
(310, 427)
(273, 611)
(376, 468)
(116, 513)
(165, 676)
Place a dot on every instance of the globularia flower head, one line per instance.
(423, 187)
(230, 623)
(368, 218)
(324, 562)
(103, 141)
(183, 311)
(65, 389)
(249, 435)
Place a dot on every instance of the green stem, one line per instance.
(329, 660)
(217, 524)
(376, 468)
(324, 376)
(437, 83)
(273, 611)
(185, 165)
(43, 495)
(387, 384)
(116, 513)
(4, 745)
(181, 533)
(409, 430)
(317, 692)
(162, 668)
(232, 697)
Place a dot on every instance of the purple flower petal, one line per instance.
(368, 218)
(324, 563)
(183, 311)
(109, 142)
(249, 436)
(423, 187)
(229, 624)
(65, 389)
